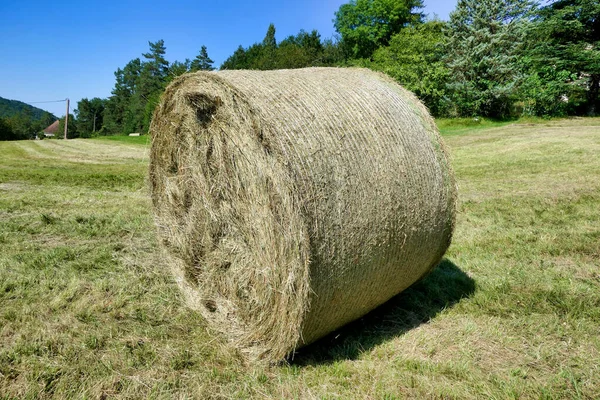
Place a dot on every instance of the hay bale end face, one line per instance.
(291, 202)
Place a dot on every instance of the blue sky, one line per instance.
(56, 49)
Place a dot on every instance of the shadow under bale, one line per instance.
(445, 286)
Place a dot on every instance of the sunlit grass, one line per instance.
(87, 309)
(143, 139)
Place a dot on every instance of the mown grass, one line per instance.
(143, 139)
(88, 311)
(459, 126)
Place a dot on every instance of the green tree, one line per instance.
(137, 84)
(334, 53)
(261, 56)
(178, 68)
(152, 81)
(72, 131)
(547, 92)
(238, 60)
(90, 116)
(154, 72)
(366, 25)
(156, 63)
(299, 51)
(151, 104)
(414, 59)
(202, 62)
(565, 54)
(266, 53)
(46, 120)
(118, 107)
(23, 121)
(38, 125)
(269, 40)
(22, 124)
(296, 51)
(484, 45)
(6, 132)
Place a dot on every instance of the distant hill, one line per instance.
(10, 108)
(19, 120)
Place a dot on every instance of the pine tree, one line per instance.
(156, 62)
(118, 107)
(178, 68)
(202, 62)
(238, 60)
(565, 52)
(152, 81)
(485, 41)
(269, 40)
(299, 51)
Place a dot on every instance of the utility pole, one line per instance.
(67, 119)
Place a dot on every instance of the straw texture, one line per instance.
(291, 202)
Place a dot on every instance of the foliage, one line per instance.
(414, 59)
(6, 132)
(547, 91)
(90, 116)
(366, 25)
(269, 41)
(178, 68)
(72, 128)
(237, 60)
(117, 114)
(565, 55)
(22, 121)
(10, 108)
(495, 58)
(156, 64)
(268, 59)
(258, 56)
(23, 125)
(139, 85)
(296, 51)
(485, 40)
(46, 120)
(137, 89)
(202, 62)
(334, 54)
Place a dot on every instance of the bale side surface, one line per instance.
(292, 202)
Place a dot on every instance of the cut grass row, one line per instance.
(88, 311)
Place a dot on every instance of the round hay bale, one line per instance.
(292, 202)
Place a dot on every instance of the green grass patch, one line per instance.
(457, 126)
(89, 310)
(143, 139)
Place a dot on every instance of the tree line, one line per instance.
(493, 58)
(19, 120)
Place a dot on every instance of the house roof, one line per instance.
(52, 128)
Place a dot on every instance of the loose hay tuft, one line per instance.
(292, 202)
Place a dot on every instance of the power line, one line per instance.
(49, 101)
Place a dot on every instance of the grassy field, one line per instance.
(88, 311)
